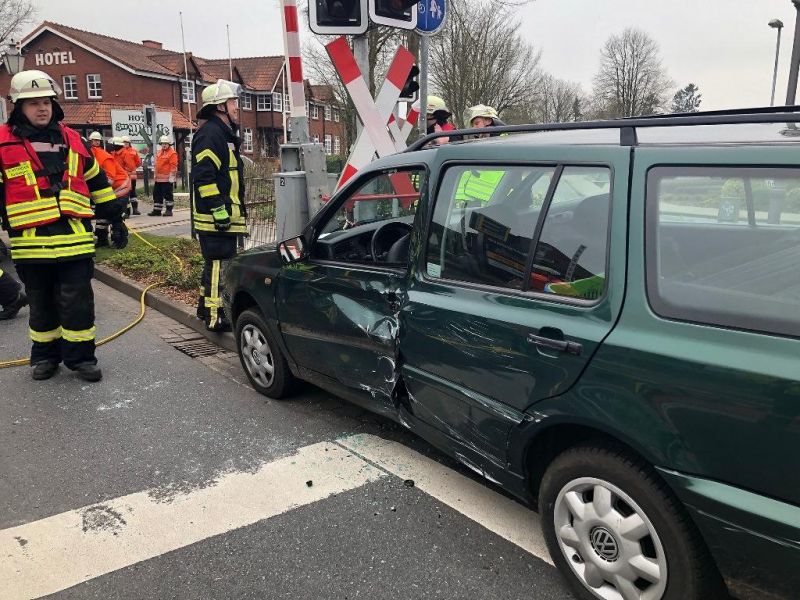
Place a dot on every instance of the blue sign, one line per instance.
(430, 16)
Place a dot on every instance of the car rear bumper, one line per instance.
(755, 540)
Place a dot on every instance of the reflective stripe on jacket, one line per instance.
(29, 198)
(217, 178)
(166, 164)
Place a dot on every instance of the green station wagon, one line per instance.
(601, 318)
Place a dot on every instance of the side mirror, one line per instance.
(292, 250)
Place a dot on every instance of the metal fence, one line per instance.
(260, 203)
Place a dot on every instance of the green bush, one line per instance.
(146, 263)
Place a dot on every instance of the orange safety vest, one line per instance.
(166, 164)
(119, 179)
(128, 159)
(29, 198)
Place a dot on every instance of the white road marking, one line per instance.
(502, 516)
(57, 552)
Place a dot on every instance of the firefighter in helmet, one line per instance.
(51, 189)
(218, 208)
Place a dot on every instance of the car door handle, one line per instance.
(549, 343)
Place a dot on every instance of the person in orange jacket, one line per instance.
(129, 159)
(166, 174)
(121, 184)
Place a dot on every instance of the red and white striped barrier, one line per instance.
(374, 114)
(294, 64)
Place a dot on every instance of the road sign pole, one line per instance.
(361, 52)
(424, 44)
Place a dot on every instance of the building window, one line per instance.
(277, 102)
(327, 113)
(263, 102)
(187, 91)
(247, 102)
(247, 140)
(286, 102)
(336, 114)
(70, 87)
(316, 138)
(337, 145)
(95, 85)
(315, 111)
(328, 143)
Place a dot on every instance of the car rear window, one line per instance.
(723, 246)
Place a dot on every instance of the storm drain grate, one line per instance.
(197, 348)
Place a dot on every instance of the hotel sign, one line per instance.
(131, 123)
(54, 58)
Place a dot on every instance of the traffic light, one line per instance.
(394, 13)
(409, 91)
(342, 17)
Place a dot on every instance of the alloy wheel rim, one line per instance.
(257, 355)
(609, 542)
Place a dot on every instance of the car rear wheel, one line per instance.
(261, 358)
(616, 532)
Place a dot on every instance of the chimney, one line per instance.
(152, 44)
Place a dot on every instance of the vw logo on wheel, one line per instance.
(604, 544)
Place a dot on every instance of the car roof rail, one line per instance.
(628, 125)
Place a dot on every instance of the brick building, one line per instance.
(99, 74)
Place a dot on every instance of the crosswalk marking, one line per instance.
(58, 552)
(501, 515)
(63, 550)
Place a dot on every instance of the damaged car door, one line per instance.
(338, 306)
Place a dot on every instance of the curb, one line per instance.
(180, 312)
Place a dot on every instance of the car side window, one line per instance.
(384, 204)
(484, 233)
(572, 251)
(483, 224)
(723, 246)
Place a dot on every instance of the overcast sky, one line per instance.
(724, 46)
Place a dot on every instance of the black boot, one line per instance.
(154, 213)
(102, 242)
(135, 207)
(88, 371)
(168, 212)
(44, 370)
(10, 310)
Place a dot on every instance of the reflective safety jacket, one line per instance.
(119, 179)
(166, 165)
(48, 221)
(478, 185)
(217, 173)
(129, 159)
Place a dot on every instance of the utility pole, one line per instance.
(791, 92)
(775, 24)
(361, 53)
(424, 45)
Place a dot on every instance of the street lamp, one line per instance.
(13, 60)
(775, 24)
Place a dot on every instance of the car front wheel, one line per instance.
(616, 532)
(261, 358)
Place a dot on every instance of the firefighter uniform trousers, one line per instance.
(61, 310)
(217, 250)
(162, 195)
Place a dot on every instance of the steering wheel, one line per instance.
(376, 244)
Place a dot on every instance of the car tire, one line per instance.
(261, 357)
(615, 530)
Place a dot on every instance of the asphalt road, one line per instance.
(171, 478)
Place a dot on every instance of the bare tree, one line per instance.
(480, 57)
(14, 15)
(631, 80)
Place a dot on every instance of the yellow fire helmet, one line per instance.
(32, 84)
(218, 93)
(436, 104)
(479, 110)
